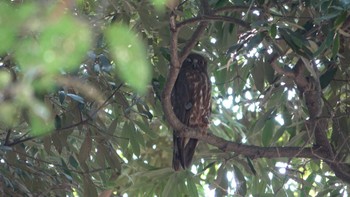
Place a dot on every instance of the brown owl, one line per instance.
(190, 99)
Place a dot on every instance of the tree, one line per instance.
(85, 97)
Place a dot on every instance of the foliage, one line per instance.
(81, 82)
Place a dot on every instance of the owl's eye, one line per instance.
(189, 60)
(196, 63)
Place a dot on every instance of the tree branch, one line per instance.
(255, 152)
(174, 70)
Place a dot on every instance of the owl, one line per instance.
(190, 100)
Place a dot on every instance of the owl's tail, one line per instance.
(183, 152)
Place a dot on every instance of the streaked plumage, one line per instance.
(191, 104)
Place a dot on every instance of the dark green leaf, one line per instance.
(336, 46)
(327, 77)
(326, 44)
(273, 31)
(241, 182)
(73, 162)
(58, 122)
(258, 76)
(268, 132)
(254, 41)
(66, 170)
(85, 148)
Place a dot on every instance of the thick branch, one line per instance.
(171, 78)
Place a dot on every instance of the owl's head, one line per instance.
(195, 61)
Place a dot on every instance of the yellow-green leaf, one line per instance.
(130, 56)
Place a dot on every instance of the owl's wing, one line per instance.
(181, 102)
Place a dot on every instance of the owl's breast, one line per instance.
(201, 95)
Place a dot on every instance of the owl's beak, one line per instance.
(195, 64)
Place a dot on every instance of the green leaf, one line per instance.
(130, 57)
(254, 41)
(326, 44)
(40, 120)
(269, 72)
(296, 41)
(125, 137)
(146, 128)
(5, 79)
(101, 154)
(11, 20)
(192, 189)
(89, 187)
(258, 75)
(85, 148)
(169, 189)
(58, 122)
(241, 182)
(134, 139)
(112, 127)
(327, 77)
(159, 4)
(66, 170)
(221, 182)
(73, 162)
(61, 44)
(267, 132)
(273, 31)
(336, 46)
(340, 19)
